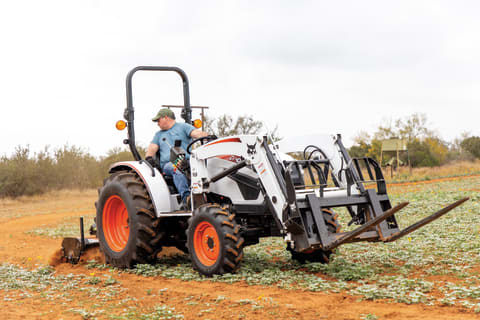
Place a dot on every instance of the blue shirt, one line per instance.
(179, 131)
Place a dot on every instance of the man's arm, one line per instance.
(197, 133)
(152, 150)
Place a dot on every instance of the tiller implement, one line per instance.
(73, 248)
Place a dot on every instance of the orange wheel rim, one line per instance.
(206, 243)
(115, 223)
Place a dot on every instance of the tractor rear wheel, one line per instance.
(214, 241)
(322, 256)
(126, 224)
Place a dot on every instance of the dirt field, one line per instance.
(80, 292)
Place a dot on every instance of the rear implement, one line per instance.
(73, 248)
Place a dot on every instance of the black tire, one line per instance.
(214, 240)
(331, 219)
(320, 255)
(124, 204)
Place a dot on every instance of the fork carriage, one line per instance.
(304, 214)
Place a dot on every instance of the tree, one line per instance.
(438, 148)
(421, 155)
(375, 149)
(409, 128)
(424, 145)
(358, 151)
(472, 145)
(361, 145)
(412, 127)
(362, 137)
(456, 144)
(226, 125)
(386, 131)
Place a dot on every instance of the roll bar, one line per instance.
(129, 111)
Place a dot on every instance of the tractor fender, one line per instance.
(162, 200)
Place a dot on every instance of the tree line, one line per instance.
(26, 172)
(425, 147)
(29, 173)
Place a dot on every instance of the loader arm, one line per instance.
(255, 153)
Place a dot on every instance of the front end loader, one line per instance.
(243, 188)
(296, 199)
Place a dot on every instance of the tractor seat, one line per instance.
(168, 179)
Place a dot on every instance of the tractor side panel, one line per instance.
(237, 192)
(156, 186)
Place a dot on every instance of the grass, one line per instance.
(51, 202)
(453, 169)
(405, 174)
(69, 227)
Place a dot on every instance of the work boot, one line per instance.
(186, 204)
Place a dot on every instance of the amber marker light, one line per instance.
(197, 123)
(120, 125)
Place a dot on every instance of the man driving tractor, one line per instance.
(171, 131)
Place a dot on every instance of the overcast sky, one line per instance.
(306, 66)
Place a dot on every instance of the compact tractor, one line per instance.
(242, 188)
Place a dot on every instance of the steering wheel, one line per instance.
(202, 140)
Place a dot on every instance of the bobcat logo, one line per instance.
(251, 149)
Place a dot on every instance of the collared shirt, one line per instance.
(165, 139)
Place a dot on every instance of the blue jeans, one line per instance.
(179, 179)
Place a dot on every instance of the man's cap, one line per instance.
(162, 113)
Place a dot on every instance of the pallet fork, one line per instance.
(370, 207)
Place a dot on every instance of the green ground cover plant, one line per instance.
(20, 283)
(68, 227)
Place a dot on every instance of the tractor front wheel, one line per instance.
(214, 240)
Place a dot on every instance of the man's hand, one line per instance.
(151, 161)
(183, 165)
